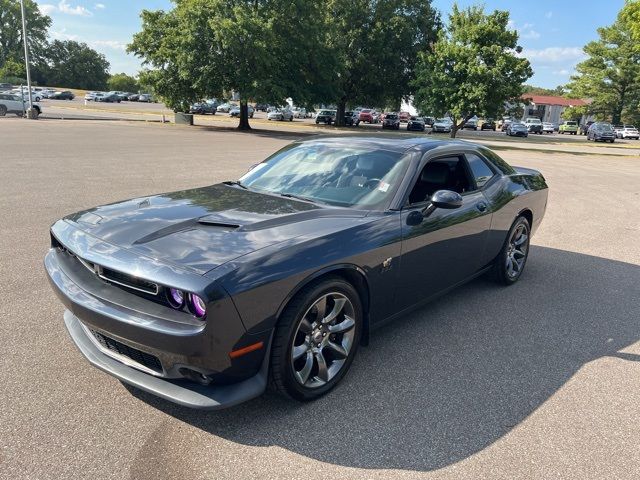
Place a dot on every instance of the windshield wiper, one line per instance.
(299, 197)
(236, 183)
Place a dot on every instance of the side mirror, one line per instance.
(446, 199)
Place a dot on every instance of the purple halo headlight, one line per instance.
(175, 297)
(198, 307)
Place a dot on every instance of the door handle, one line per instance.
(481, 206)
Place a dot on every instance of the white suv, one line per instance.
(10, 103)
(629, 131)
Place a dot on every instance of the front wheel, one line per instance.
(3, 110)
(316, 339)
(513, 257)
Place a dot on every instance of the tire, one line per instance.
(294, 378)
(3, 110)
(507, 268)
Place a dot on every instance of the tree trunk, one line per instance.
(458, 126)
(244, 116)
(342, 105)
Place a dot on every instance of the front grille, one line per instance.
(145, 359)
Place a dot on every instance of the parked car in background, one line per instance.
(48, 93)
(299, 112)
(90, 96)
(629, 131)
(570, 127)
(351, 119)
(235, 111)
(11, 103)
(584, 127)
(547, 127)
(225, 107)
(504, 123)
(133, 97)
(534, 125)
(617, 129)
(326, 116)
(63, 95)
(488, 124)
(429, 121)
(471, 124)
(145, 97)
(366, 115)
(601, 132)
(391, 121)
(107, 98)
(376, 116)
(416, 124)
(261, 107)
(517, 129)
(119, 94)
(5, 87)
(281, 114)
(442, 125)
(203, 108)
(404, 116)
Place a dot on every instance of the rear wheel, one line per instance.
(512, 259)
(316, 339)
(3, 110)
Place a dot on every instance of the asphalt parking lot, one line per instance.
(538, 380)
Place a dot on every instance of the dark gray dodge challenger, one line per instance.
(205, 296)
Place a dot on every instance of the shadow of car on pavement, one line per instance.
(448, 380)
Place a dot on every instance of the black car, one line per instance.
(584, 127)
(326, 116)
(107, 98)
(351, 119)
(203, 108)
(601, 132)
(64, 95)
(416, 124)
(261, 107)
(134, 97)
(488, 124)
(204, 296)
(517, 129)
(392, 121)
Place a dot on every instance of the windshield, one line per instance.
(606, 127)
(342, 175)
(391, 116)
(444, 120)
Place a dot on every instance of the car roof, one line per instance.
(387, 142)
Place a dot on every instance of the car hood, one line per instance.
(200, 229)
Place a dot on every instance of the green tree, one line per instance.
(261, 49)
(122, 82)
(611, 73)
(373, 48)
(75, 65)
(13, 72)
(11, 46)
(473, 68)
(631, 14)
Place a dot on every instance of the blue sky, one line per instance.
(551, 32)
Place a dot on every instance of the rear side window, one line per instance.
(498, 162)
(479, 169)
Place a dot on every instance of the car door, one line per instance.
(443, 247)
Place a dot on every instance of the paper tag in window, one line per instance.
(383, 187)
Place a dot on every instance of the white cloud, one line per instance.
(46, 8)
(564, 72)
(554, 55)
(64, 7)
(63, 35)
(549, 14)
(524, 31)
(100, 6)
(110, 44)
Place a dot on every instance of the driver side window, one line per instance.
(447, 173)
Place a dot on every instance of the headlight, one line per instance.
(175, 297)
(198, 307)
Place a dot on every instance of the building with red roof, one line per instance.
(549, 108)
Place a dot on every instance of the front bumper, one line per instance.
(182, 392)
(134, 338)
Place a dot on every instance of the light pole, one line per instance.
(30, 111)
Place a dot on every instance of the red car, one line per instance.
(366, 115)
(404, 116)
